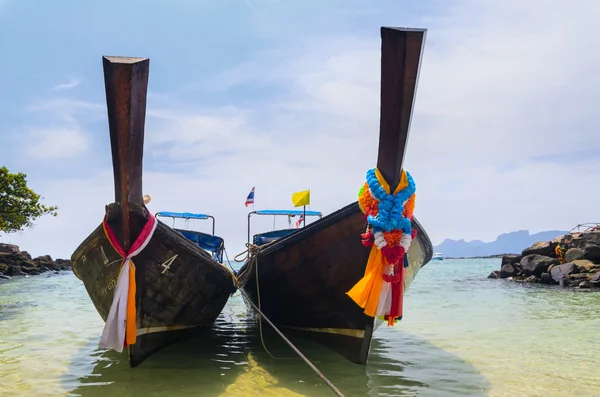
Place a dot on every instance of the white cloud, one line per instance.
(502, 85)
(56, 128)
(57, 143)
(72, 83)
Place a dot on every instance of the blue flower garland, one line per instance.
(391, 207)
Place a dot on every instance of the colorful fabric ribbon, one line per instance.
(389, 234)
(120, 328)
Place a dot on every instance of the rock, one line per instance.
(14, 262)
(512, 259)
(532, 279)
(4, 277)
(32, 270)
(591, 252)
(535, 265)
(11, 248)
(508, 270)
(595, 278)
(546, 278)
(63, 264)
(26, 255)
(494, 274)
(579, 276)
(580, 240)
(585, 284)
(541, 248)
(559, 272)
(565, 282)
(13, 270)
(584, 265)
(573, 254)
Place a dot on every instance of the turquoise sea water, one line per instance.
(462, 335)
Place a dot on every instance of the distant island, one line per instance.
(506, 243)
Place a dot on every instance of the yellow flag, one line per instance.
(301, 198)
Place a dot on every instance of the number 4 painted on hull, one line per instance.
(167, 264)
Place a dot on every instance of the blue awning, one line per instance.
(288, 212)
(183, 215)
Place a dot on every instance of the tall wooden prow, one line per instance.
(126, 83)
(401, 52)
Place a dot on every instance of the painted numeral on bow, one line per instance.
(167, 264)
(104, 257)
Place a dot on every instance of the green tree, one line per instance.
(19, 205)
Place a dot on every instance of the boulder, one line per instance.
(580, 240)
(545, 248)
(584, 265)
(565, 282)
(26, 255)
(3, 268)
(573, 254)
(506, 259)
(508, 270)
(585, 284)
(532, 279)
(546, 278)
(559, 272)
(595, 279)
(592, 252)
(494, 274)
(9, 248)
(32, 270)
(535, 265)
(13, 270)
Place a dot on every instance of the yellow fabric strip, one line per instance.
(386, 186)
(131, 323)
(366, 291)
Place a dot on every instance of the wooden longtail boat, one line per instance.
(301, 280)
(152, 284)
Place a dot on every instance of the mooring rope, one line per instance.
(253, 259)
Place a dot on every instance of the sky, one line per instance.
(284, 96)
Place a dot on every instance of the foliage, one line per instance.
(19, 205)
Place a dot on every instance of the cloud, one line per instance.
(56, 128)
(503, 123)
(72, 83)
(57, 143)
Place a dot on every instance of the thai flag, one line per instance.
(299, 221)
(250, 198)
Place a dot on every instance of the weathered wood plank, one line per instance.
(126, 85)
(400, 61)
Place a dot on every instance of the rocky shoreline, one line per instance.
(14, 262)
(572, 260)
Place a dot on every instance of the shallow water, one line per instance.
(462, 335)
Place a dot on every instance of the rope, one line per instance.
(251, 252)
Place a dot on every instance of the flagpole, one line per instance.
(304, 215)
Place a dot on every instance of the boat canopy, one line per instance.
(286, 212)
(182, 215)
(270, 236)
(187, 216)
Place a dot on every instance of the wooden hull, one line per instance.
(303, 279)
(180, 288)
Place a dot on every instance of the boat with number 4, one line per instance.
(337, 279)
(152, 284)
